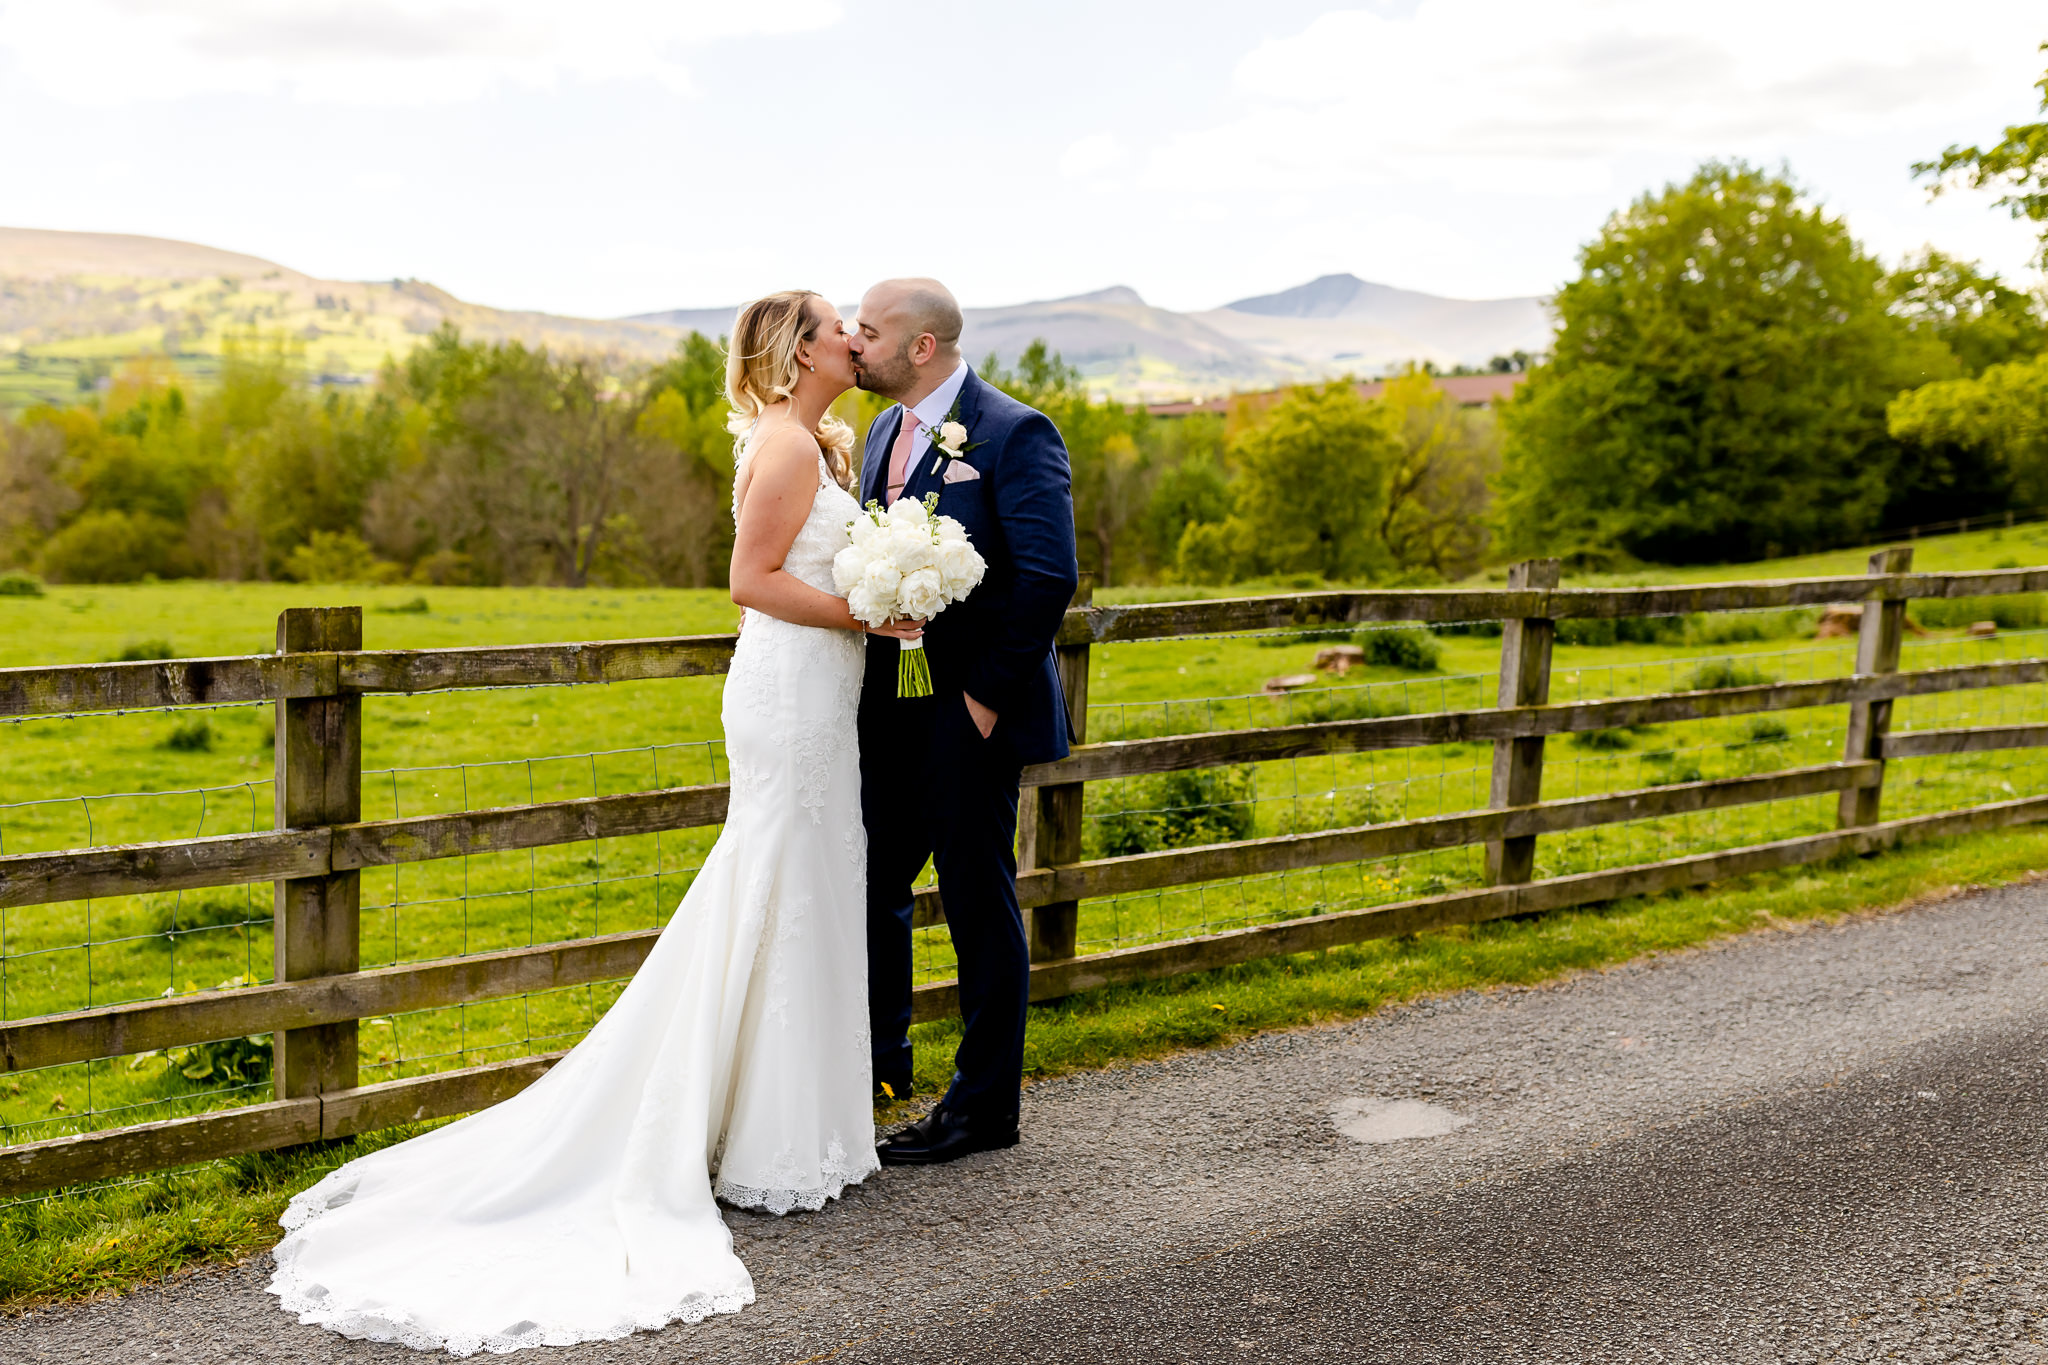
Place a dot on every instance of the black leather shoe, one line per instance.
(943, 1135)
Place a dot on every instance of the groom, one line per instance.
(939, 773)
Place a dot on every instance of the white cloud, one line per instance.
(1091, 155)
(1546, 96)
(402, 52)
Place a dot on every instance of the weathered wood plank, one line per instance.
(145, 1147)
(1123, 966)
(145, 1025)
(33, 1166)
(1301, 611)
(170, 682)
(317, 919)
(345, 1113)
(1973, 740)
(172, 865)
(377, 843)
(1517, 779)
(592, 661)
(1286, 852)
(229, 859)
(1170, 753)
(1878, 639)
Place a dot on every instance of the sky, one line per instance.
(611, 157)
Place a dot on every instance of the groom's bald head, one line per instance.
(908, 337)
(923, 304)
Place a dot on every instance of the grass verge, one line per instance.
(96, 1240)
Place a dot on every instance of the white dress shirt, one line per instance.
(930, 411)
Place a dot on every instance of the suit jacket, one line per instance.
(996, 644)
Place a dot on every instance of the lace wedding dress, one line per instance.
(735, 1066)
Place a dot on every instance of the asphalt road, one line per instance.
(1821, 1144)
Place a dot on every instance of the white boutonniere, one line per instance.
(951, 435)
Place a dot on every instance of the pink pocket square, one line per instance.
(959, 471)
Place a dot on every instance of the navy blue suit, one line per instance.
(931, 786)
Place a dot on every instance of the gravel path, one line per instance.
(1824, 1144)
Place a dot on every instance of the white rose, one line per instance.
(908, 512)
(960, 567)
(910, 549)
(879, 580)
(847, 567)
(920, 596)
(952, 436)
(866, 535)
(866, 608)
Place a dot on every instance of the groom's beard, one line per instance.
(890, 378)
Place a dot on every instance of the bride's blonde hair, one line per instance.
(761, 369)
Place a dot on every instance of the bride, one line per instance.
(736, 1065)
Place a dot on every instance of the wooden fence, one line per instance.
(315, 854)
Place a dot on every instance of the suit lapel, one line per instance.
(928, 477)
(875, 459)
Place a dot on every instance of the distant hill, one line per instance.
(1340, 322)
(1335, 325)
(73, 301)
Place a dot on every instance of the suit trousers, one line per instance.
(933, 787)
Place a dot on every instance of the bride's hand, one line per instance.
(901, 630)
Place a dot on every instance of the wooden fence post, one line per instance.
(1877, 651)
(1053, 832)
(319, 782)
(1524, 681)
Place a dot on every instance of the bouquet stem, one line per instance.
(913, 671)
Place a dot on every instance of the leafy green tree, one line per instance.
(1437, 490)
(1717, 386)
(2016, 163)
(1981, 320)
(1311, 489)
(1999, 417)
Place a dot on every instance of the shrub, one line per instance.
(116, 547)
(1689, 772)
(20, 583)
(411, 606)
(2019, 612)
(1617, 630)
(1603, 739)
(194, 736)
(1179, 810)
(143, 651)
(337, 557)
(1768, 730)
(1728, 628)
(1405, 647)
(1717, 673)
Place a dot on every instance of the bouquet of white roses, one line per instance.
(906, 564)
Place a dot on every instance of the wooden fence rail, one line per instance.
(320, 844)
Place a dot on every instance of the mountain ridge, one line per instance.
(71, 296)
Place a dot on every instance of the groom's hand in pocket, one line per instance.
(983, 718)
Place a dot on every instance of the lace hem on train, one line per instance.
(838, 1173)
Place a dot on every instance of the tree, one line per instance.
(1310, 491)
(1435, 515)
(1717, 386)
(1981, 320)
(2017, 163)
(1999, 417)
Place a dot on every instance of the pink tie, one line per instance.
(899, 458)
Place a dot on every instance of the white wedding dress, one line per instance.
(734, 1067)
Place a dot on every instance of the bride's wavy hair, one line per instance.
(761, 369)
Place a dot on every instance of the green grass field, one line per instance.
(150, 775)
